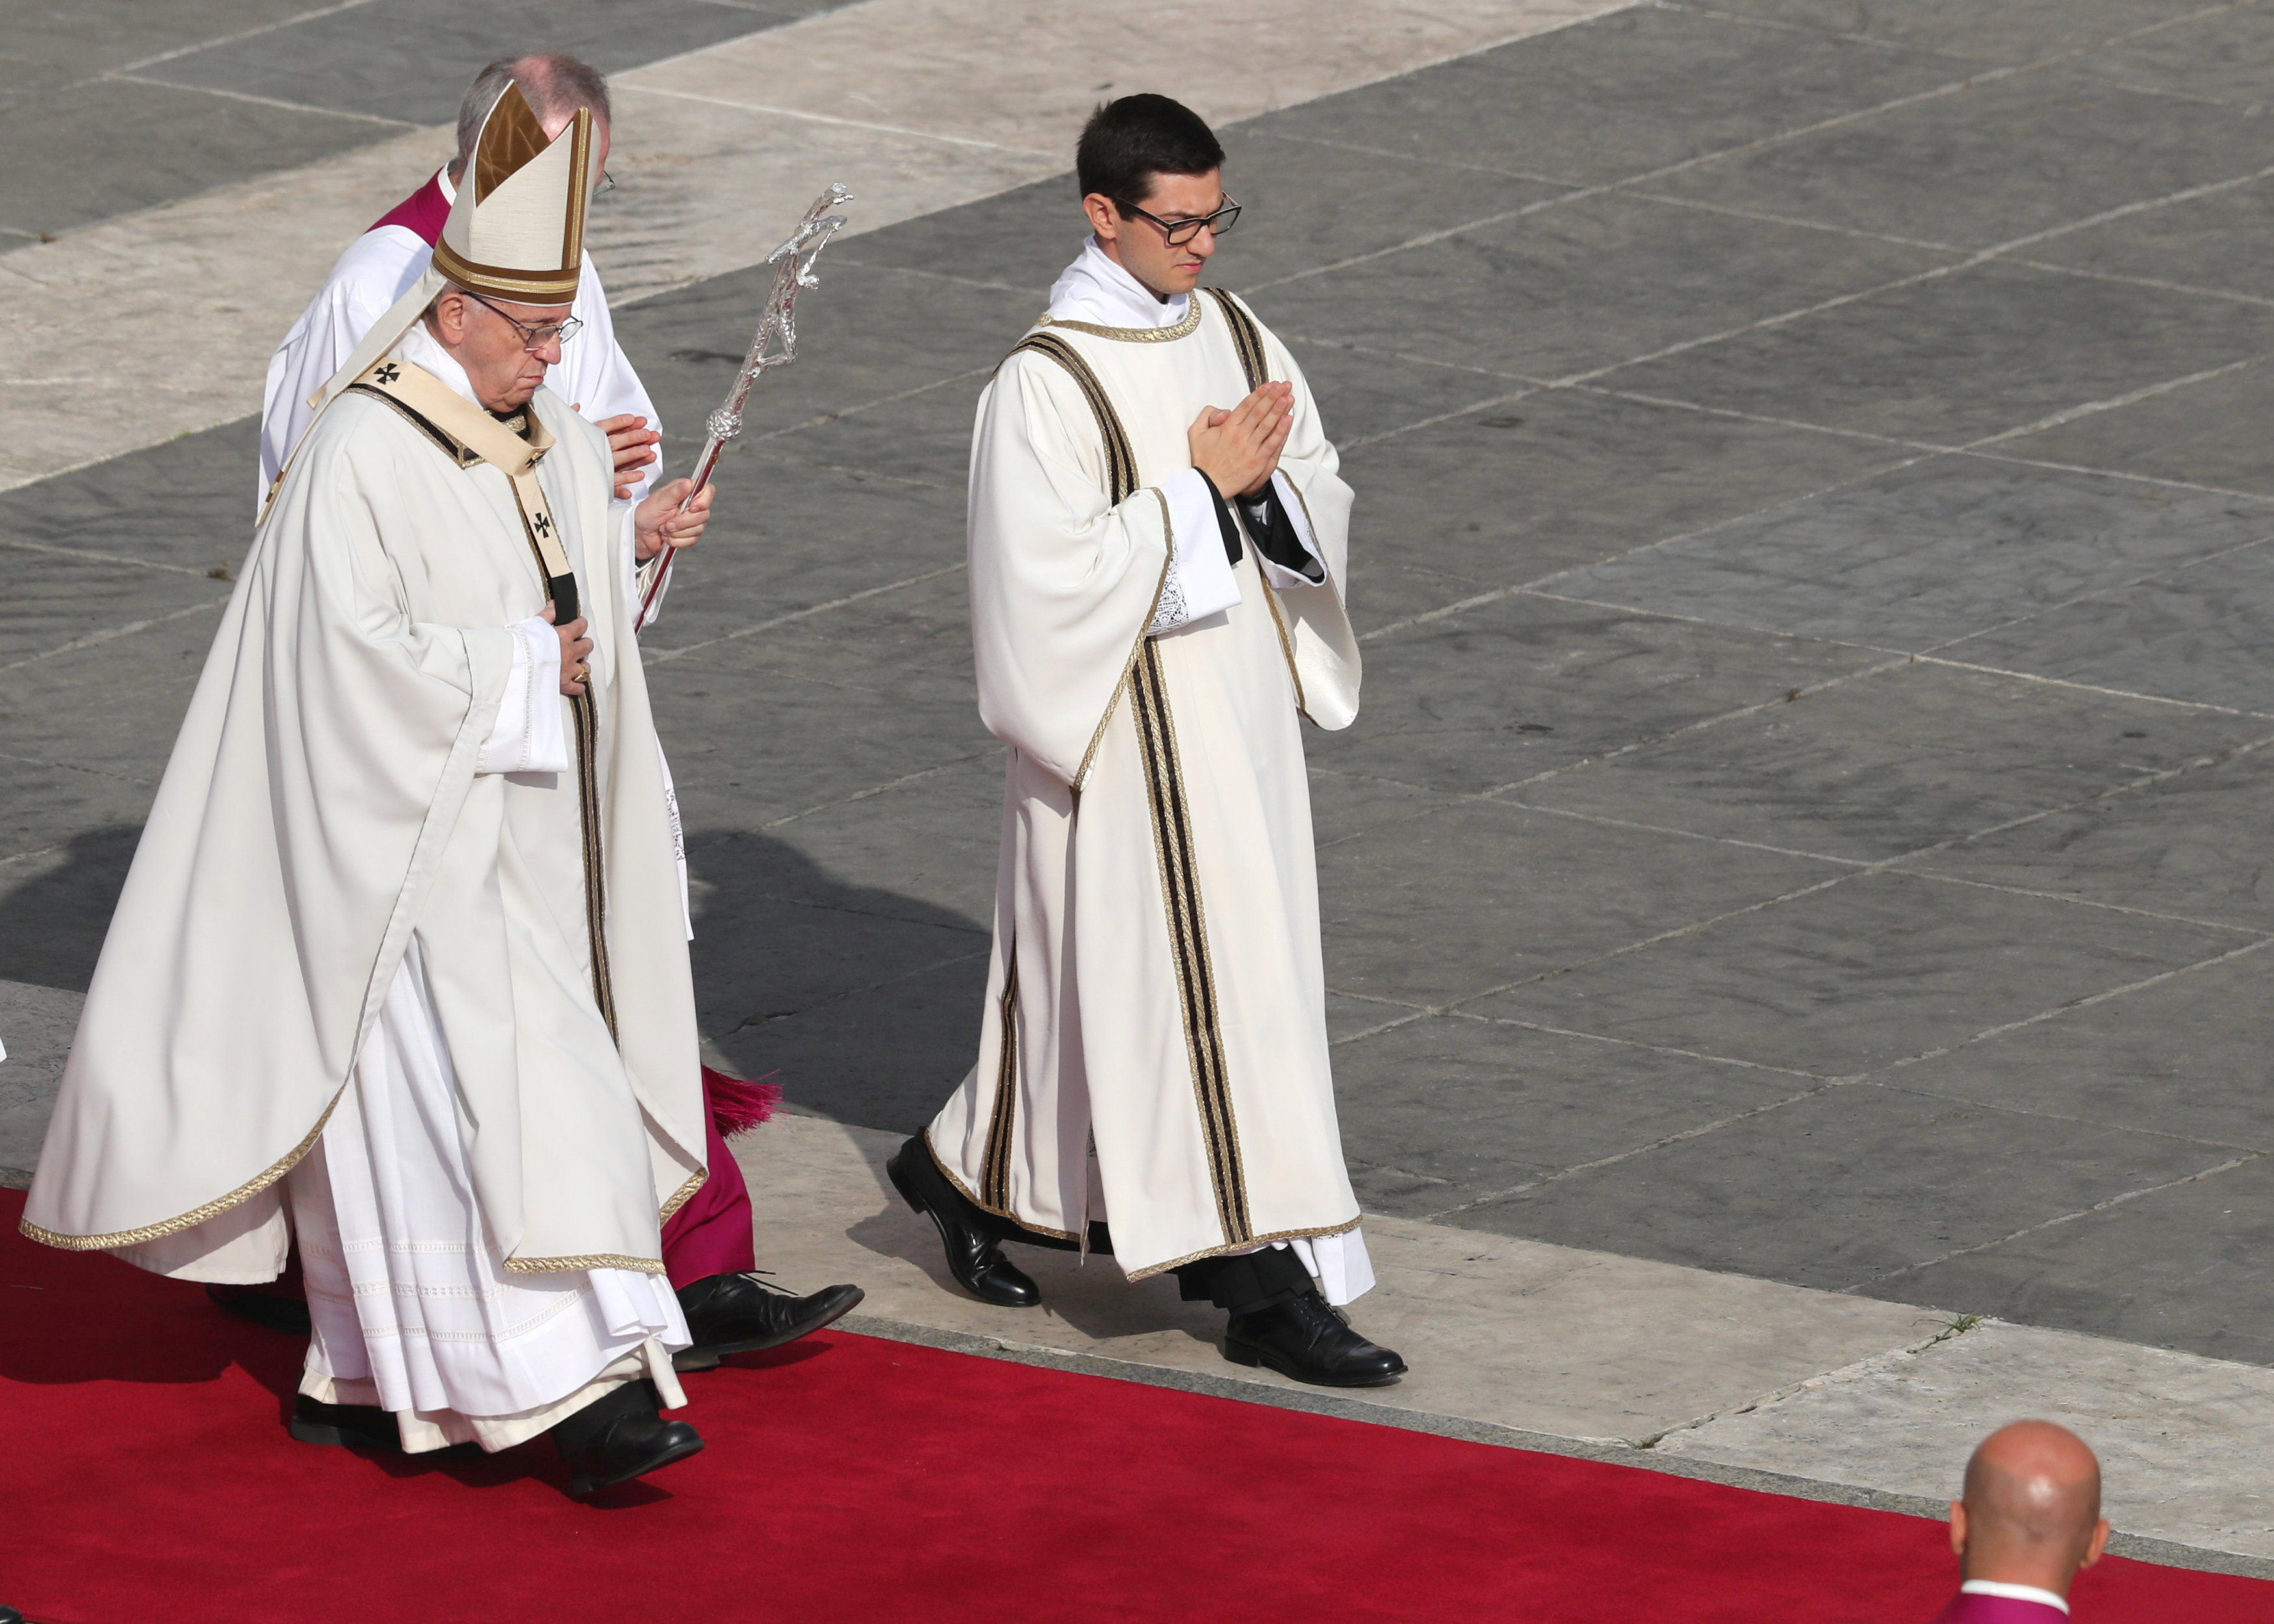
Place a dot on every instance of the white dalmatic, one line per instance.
(1154, 1048)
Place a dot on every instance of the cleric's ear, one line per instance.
(1105, 218)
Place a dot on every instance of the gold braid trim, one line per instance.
(1254, 1244)
(590, 1260)
(195, 1216)
(685, 1193)
(1131, 336)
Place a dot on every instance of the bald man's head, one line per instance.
(2031, 1511)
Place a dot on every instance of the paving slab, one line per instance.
(2178, 1267)
(410, 60)
(37, 1024)
(1528, 685)
(2210, 241)
(1954, 359)
(60, 42)
(1439, 909)
(2192, 845)
(886, 1054)
(1927, 553)
(137, 686)
(1891, 1180)
(1619, 96)
(139, 144)
(2198, 433)
(2198, 633)
(2000, 159)
(56, 900)
(2183, 1442)
(1580, 286)
(1496, 1330)
(1858, 975)
(1443, 1111)
(2224, 52)
(1888, 763)
(1560, 479)
(2165, 1059)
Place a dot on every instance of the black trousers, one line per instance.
(1247, 1284)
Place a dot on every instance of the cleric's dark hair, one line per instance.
(1129, 141)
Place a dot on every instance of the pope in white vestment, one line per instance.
(400, 964)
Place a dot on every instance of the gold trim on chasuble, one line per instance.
(196, 1215)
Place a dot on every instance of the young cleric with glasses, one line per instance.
(1158, 540)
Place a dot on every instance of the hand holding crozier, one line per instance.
(673, 516)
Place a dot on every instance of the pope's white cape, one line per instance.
(321, 804)
(1178, 1017)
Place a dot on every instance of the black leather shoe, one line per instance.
(620, 1436)
(358, 1426)
(288, 1314)
(1305, 1339)
(364, 1426)
(741, 1313)
(974, 1250)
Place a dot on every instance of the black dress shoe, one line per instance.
(972, 1238)
(288, 1314)
(620, 1436)
(741, 1313)
(362, 1426)
(1308, 1341)
(359, 1426)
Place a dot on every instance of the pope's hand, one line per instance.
(657, 523)
(634, 444)
(1238, 450)
(575, 649)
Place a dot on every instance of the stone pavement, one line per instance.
(1813, 555)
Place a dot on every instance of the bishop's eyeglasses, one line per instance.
(1178, 232)
(536, 336)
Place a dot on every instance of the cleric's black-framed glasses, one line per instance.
(1178, 232)
(534, 335)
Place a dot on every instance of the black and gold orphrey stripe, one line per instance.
(1180, 889)
(1247, 337)
(1120, 461)
(585, 715)
(1172, 837)
(994, 1171)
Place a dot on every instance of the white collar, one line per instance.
(1096, 289)
(418, 347)
(443, 179)
(2012, 1592)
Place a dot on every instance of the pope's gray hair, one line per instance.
(552, 83)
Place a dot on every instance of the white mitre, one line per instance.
(515, 232)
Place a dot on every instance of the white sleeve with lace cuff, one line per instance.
(530, 736)
(1200, 582)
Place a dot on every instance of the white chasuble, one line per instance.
(1154, 1046)
(325, 805)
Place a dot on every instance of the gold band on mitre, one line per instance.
(521, 287)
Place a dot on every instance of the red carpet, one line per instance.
(146, 1476)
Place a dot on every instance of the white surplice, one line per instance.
(1154, 1049)
(372, 916)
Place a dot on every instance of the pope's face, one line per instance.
(500, 363)
(1143, 249)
